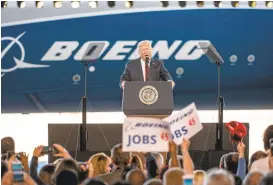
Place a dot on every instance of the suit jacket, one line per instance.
(133, 71)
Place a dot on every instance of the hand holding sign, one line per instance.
(185, 123)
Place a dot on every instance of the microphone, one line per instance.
(147, 59)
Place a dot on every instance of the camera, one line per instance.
(17, 169)
(49, 150)
(271, 145)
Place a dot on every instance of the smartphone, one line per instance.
(18, 174)
(49, 150)
(188, 179)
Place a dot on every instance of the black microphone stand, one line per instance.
(83, 130)
(219, 128)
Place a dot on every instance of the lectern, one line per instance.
(148, 99)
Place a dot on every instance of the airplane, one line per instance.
(53, 41)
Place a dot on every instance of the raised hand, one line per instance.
(38, 151)
(62, 152)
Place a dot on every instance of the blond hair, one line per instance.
(99, 162)
(173, 176)
(144, 42)
(198, 177)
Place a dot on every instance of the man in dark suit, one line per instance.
(145, 68)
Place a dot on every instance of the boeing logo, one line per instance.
(19, 63)
(120, 50)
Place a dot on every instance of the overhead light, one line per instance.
(182, 3)
(269, 4)
(235, 4)
(21, 4)
(164, 3)
(57, 4)
(252, 4)
(128, 4)
(75, 4)
(111, 4)
(200, 3)
(93, 4)
(39, 4)
(218, 4)
(4, 4)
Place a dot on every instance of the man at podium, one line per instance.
(145, 68)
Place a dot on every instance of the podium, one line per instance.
(152, 99)
(147, 99)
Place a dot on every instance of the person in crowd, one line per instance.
(46, 173)
(8, 176)
(7, 145)
(34, 164)
(219, 177)
(135, 177)
(253, 178)
(267, 179)
(173, 176)
(101, 164)
(235, 162)
(137, 163)
(265, 164)
(8, 179)
(198, 177)
(151, 166)
(256, 156)
(159, 159)
(120, 160)
(66, 172)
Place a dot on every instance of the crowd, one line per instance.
(126, 168)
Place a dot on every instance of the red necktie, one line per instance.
(146, 72)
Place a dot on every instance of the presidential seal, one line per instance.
(148, 95)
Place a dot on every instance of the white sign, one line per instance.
(145, 135)
(184, 124)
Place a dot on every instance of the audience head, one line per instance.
(256, 156)
(253, 178)
(66, 177)
(7, 145)
(268, 134)
(159, 159)
(198, 177)
(120, 158)
(173, 176)
(46, 173)
(230, 162)
(135, 177)
(136, 162)
(267, 179)
(66, 172)
(153, 182)
(219, 177)
(101, 164)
